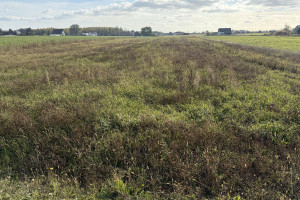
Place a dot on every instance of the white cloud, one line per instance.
(15, 18)
(275, 3)
(164, 15)
(172, 4)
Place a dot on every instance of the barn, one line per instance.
(58, 32)
(224, 31)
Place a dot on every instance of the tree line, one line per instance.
(75, 30)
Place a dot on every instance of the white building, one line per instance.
(90, 34)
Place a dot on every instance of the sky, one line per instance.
(161, 15)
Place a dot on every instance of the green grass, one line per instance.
(275, 42)
(148, 118)
(256, 34)
(39, 40)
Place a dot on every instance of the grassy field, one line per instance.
(275, 42)
(148, 118)
(256, 34)
(30, 41)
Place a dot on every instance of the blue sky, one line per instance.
(162, 15)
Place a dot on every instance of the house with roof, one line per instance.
(180, 33)
(8, 33)
(224, 31)
(58, 32)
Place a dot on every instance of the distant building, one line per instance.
(9, 33)
(137, 34)
(242, 31)
(158, 33)
(58, 32)
(213, 33)
(224, 31)
(238, 32)
(90, 34)
(180, 33)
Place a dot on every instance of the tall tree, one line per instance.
(10, 32)
(137, 33)
(29, 31)
(0, 31)
(297, 29)
(146, 31)
(74, 29)
(23, 31)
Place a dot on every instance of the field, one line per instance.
(29, 41)
(148, 118)
(256, 34)
(275, 42)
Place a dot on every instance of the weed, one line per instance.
(148, 118)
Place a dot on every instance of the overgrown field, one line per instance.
(276, 42)
(33, 41)
(148, 118)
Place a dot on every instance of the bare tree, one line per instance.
(287, 29)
